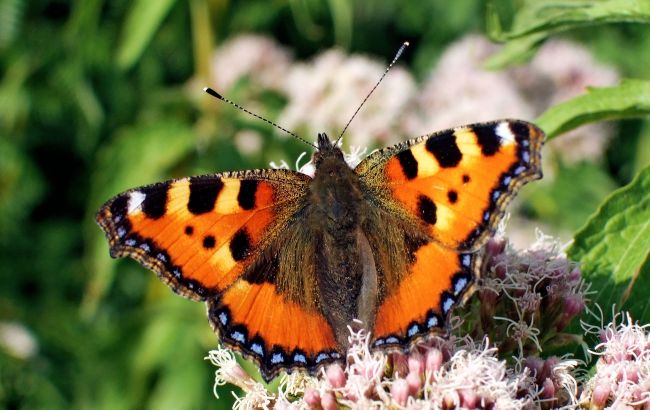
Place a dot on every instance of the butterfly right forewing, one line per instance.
(447, 191)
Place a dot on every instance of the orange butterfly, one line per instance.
(285, 261)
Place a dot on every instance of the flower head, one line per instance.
(323, 95)
(254, 57)
(622, 378)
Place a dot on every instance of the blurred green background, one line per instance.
(100, 96)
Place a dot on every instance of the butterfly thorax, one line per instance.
(345, 270)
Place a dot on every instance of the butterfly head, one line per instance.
(326, 150)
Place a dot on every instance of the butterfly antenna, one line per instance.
(234, 104)
(397, 56)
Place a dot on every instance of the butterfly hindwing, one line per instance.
(452, 188)
(230, 239)
(421, 303)
(277, 333)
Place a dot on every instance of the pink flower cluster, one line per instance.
(439, 374)
(527, 297)
(622, 377)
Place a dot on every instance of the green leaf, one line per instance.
(343, 21)
(630, 99)
(11, 18)
(552, 16)
(561, 202)
(614, 246)
(144, 19)
(538, 19)
(517, 51)
(21, 188)
(638, 293)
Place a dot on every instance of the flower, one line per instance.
(249, 142)
(562, 70)
(459, 91)
(622, 378)
(324, 94)
(439, 373)
(257, 58)
(529, 293)
(17, 340)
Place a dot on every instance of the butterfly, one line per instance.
(286, 262)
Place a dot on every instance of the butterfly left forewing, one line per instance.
(447, 190)
(199, 233)
(235, 241)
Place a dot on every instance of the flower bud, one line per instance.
(312, 397)
(600, 395)
(469, 399)
(416, 363)
(548, 389)
(399, 391)
(328, 402)
(414, 381)
(400, 364)
(433, 360)
(335, 376)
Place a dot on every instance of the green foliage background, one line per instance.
(94, 100)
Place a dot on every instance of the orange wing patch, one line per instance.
(278, 334)
(438, 279)
(198, 234)
(458, 182)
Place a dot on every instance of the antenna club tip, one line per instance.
(212, 92)
(406, 43)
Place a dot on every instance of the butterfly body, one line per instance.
(344, 268)
(286, 262)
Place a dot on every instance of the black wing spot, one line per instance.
(246, 195)
(488, 139)
(452, 196)
(209, 242)
(203, 194)
(427, 210)
(155, 200)
(189, 230)
(520, 130)
(466, 178)
(119, 206)
(409, 164)
(240, 245)
(444, 148)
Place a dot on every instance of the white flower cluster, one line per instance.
(323, 93)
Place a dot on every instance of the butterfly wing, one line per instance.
(218, 239)
(451, 188)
